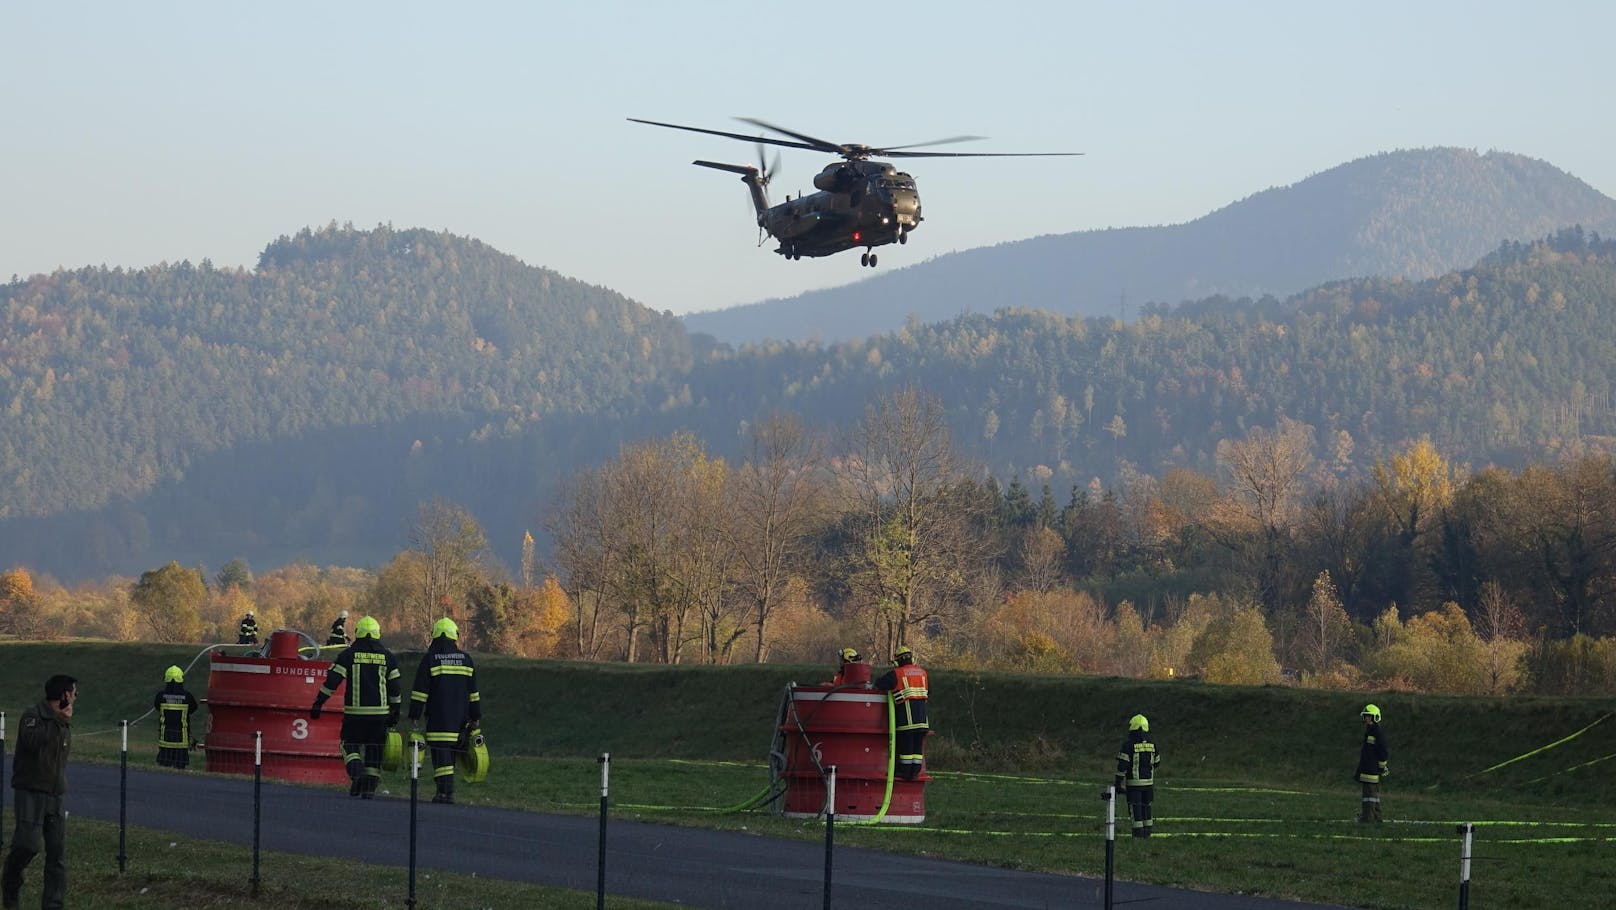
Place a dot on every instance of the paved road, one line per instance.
(722, 870)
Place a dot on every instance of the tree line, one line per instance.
(1424, 574)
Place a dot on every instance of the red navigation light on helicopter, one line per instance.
(856, 236)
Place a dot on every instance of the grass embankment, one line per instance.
(1256, 793)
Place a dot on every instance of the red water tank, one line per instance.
(272, 694)
(845, 726)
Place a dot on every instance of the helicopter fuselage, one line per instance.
(858, 204)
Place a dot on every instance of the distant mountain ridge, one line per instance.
(1406, 214)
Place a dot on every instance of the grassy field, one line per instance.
(1256, 793)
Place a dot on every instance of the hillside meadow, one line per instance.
(1256, 793)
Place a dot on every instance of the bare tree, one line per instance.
(915, 521)
(1043, 554)
(1326, 630)
(1501, 627)
(776, 498)
(640, 537)
(580, 527)
(1265, 472)
(455, 555)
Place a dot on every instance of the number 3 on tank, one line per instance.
(300, 728)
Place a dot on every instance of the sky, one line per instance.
(141, 133)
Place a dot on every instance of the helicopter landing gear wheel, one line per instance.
(864, 260)
(872, 260)
(903, 236)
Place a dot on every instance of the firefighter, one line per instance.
(907, 683)
(846, 656)
(174, 705)
(445, 691)
(370, 706)
(1136, 773)
(247, 632)
(339, 630)
(1372, 756)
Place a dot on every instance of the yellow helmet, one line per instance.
(1371, 712)
(849, 656)
(1139, 722)
(174, 674)
(903, 653)
(446, 628)
(368, 627)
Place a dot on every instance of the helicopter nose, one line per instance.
(906, 205)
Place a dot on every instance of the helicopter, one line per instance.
(859, 203)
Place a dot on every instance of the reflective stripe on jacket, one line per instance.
(174, 709)
(445, 690)
(1137, 760)
(908, 685)
(1372, 755)
(371, 672)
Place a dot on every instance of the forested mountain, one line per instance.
(307, 408)
(114, 381)
(1406, 214)
(1512, 360)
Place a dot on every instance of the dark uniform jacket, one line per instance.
(371, 672)
(247, 632)
(174, 705)
(339, 632)
(445, 691)
(1137, 760)
(43, 740)
(1373, 755)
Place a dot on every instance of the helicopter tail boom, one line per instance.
(750, 176)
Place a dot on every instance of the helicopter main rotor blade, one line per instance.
(851, 150)
(915, 145)
(820, 144)
(890, 153)
(742, 137)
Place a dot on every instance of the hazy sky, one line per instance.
(137, 133)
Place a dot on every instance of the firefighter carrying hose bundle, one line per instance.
(445, 691)
(370, 706)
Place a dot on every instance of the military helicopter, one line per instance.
(859, 202)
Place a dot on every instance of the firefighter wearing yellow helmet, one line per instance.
(1136, 773)
(174, 706)
(445, 694)
(907, 683)
(844, 657)
(370, 705)
(1372, 757)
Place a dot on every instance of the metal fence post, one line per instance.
(1466, 830)
(258, 801)
(600, 863)
(3, 783)
(1109, 794)
(123, 799)
(416, 746)
(830, 830)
